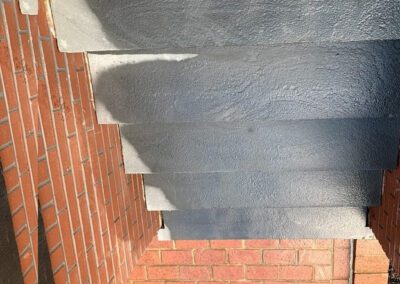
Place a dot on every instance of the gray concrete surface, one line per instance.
(189, 191)
(299, 81)
(333, 144)
(266, 223)
(29, 7)
(84, 25)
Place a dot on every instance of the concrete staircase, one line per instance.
(266, 119)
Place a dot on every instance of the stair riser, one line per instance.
(302, 81)
(282, 223)
(342, 144)
(262, 190)
(84, 25)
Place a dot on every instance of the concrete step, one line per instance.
(190, 191)
(266, 223)
(87, 25)
(332, 144)
(299, 81)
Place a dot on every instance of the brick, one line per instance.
(323, 272)
(309, 257)
(214, 282)
(368, 247)
(11, 178)
(237, 256)
(149, 282)
(31, 276)
(80, 252)
(150, 257)
(228, 272)
(180, 282)
(6, 155)
(209, 256)
(371, 264)
(342, 243)
(15, 199)
(67, 240)
(262, 272)
(176, 257)
(46, 195)
(18, 221)
(249, 282)
(191, 244)
(323, 244)
(92, 266)
(341, 258)
(195, 273)
(381, 278)
(53, 237)
(49, 216)
(340, 282)
(262, 244)
(226, 244)
(74, 275)
(26, 260)
(57, 257)
(282, 257)
(296, 244)
(316, 282)
(295, 272)
(138, 272)
(60, 276)
(162, 272)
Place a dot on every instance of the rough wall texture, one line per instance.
(53, 151)
(385, 220)
(250, 261)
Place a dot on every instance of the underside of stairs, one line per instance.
(257, 119)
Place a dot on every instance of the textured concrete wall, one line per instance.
(259, 223)
(298, 81)
(268, 146)
(180, 191)
(103, 25)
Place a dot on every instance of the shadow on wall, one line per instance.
(230, 87)
(225, 22)
(10, 269)
(347, 80)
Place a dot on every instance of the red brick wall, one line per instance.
(53, 151)
(251, 261)
(385, 220)
(371, 265)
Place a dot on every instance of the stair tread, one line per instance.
(256, 223)
(87, 25)
(332, 144)
(299, 81)
(189, 191)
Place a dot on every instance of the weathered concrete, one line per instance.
(333, 144)
(299, 81)
(266, 223)
(188, 191)
(84, 25)
(29, 7)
